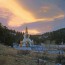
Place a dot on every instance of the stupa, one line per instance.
(26, 43)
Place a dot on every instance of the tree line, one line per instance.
(8, 37)
(58, 36)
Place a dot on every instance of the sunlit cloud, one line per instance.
(32, 31)
(22, 16)
(17, 15)
(15, 22)
(17, 10)
(5, 13)
(60, 16)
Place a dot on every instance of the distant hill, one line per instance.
(58, 36)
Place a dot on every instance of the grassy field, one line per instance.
(9, 56)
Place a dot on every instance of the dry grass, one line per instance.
(17, 60)
(7, 50)
(11, 56)
(8, 56)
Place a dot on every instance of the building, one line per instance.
(28, 44)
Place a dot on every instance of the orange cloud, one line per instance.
(59, 16)
(51, 18)
(16, 22)
(32, 31)
(17, 10)
(4, 13)
(22, 16)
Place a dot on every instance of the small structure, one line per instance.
(27, 44)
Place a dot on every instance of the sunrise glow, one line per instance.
(32, 31)
(18, 15)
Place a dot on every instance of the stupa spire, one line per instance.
(26, 32)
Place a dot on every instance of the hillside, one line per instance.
(58, 36)
(8, 36)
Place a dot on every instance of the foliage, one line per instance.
(60, 59)
(7, 36)
(58, 36)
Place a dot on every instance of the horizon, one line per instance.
(39, 16)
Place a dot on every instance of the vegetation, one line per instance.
(60, 59)
(58, 36)
(7, 37)
(9, 56)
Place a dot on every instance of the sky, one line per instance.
(39, 16)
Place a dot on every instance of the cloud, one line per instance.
(50, 11)
(22, 16)
(36, 27)
(17, 10)
(5, 16)
(15, 22)
(32, 31)
(5, 13)
(42, 27)
(39, 15)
